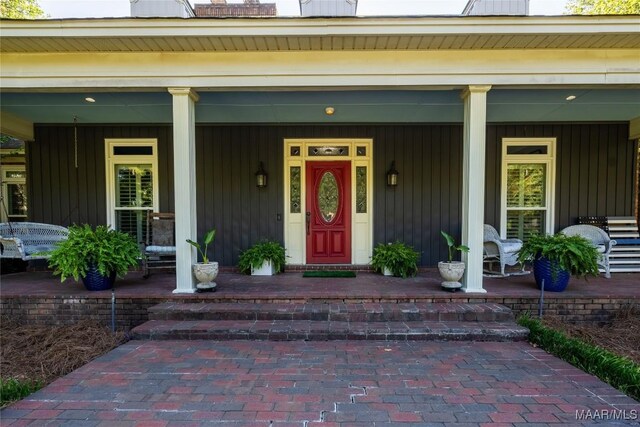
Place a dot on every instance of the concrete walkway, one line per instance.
(337, 383)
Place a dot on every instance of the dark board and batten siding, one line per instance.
(595, 167)
(228, 199)
(60, 193)
(595, 170)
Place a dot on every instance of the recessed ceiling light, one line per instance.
(329, 111)
(89, 99)
(570, 97)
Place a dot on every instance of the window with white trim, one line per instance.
(13, 180)
(132, 184)
(528, 175)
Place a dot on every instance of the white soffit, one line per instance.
(341, 34)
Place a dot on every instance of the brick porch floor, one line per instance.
(290, 286)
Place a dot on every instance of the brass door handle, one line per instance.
(308, 215)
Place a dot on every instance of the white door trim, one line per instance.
(294, 222)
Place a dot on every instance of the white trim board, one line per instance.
(361, 223)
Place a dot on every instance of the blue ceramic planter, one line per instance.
(94, 281)
(543, 270)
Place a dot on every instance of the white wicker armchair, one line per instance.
(504, 251)
(598, 238)
(29, 240)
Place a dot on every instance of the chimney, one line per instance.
(161, 9)
(328, 8)
(496, 8)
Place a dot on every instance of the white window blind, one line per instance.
(134, 198)
(527, 187)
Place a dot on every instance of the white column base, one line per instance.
(183, 291)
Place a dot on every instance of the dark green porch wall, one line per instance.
(60, 193)
(595, 167)
(228, 199)
(595, 170)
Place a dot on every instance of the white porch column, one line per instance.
(184, 180)
(473, 182)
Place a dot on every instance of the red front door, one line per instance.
(328, 213)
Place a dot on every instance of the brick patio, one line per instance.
(338, 383)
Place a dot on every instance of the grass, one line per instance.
(13, 389)
(618, 371)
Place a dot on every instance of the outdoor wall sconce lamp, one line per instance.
(392, 175)
(261, 177)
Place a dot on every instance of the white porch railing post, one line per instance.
(473, 182)
(184, 181)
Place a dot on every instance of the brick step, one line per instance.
(340, 312)
(309, 330)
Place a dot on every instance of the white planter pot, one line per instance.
(266, 269)
(387, 272)
(205, 275)
(451, 272)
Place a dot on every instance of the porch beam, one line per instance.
(473, 182)
(16, 126)
(184, 166)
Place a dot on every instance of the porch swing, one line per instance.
(28, 240)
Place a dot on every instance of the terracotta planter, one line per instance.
(451, 272)
(205, 275)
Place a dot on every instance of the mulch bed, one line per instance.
(44, 353)
(621, 336)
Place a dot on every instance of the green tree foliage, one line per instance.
(603, 7)
(20, 9)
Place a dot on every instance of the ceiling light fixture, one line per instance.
(89, 99)
(570, 97)
(329, 111)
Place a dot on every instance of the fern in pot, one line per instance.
(265, 258)
(556, 257)
(452, 271)
(97, 256)
(395, 259)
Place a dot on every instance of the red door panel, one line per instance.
(328, 213)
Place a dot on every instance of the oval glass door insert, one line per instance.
(328, 197)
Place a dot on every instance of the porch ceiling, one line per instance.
(341, 34)
(504, 105)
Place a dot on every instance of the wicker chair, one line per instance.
(504, 251)
(29, 240)
(599, 238)
(160, 247)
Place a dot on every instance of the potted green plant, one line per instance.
(452, 271)
(206, 271)
(97, 256)
(265, 258)
(556, 257)
(395, 259)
